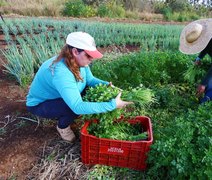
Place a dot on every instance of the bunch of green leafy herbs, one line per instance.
(109, 124)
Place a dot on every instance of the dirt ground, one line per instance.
(19, 145)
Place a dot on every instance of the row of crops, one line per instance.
(182, 128)
(149, 36)
(31, 41)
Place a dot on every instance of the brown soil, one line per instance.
(19, 146)
(19, 150)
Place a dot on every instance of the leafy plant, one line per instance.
(107, 172)
(20, 64)
(148, 68)
(77, 8)
(193, 73)
(183, 143)
(110, 9)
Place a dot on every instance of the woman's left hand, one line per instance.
(120, 103)
(111, 85)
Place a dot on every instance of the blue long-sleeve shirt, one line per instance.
(59, 82)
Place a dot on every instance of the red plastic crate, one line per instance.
(130, 154)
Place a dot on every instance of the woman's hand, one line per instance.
(119, 103)
(197, 63)
(200, 90)
(111, 85)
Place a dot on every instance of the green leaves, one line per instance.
(193, 73)
(184, 144)
(140, 95)
(147, 68)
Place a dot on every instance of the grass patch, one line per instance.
(33, 8)
(59, 159)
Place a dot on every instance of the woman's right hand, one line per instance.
(200, 90)
(197, 63)
(121, 104)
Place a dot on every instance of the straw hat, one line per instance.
(195, 36)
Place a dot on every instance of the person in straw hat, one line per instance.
(195, 38)
(56, 91)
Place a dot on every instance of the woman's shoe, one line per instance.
(66, 134)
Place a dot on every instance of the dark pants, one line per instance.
(208, 92)
(55, 108)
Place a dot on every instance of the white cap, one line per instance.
(85, 41)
